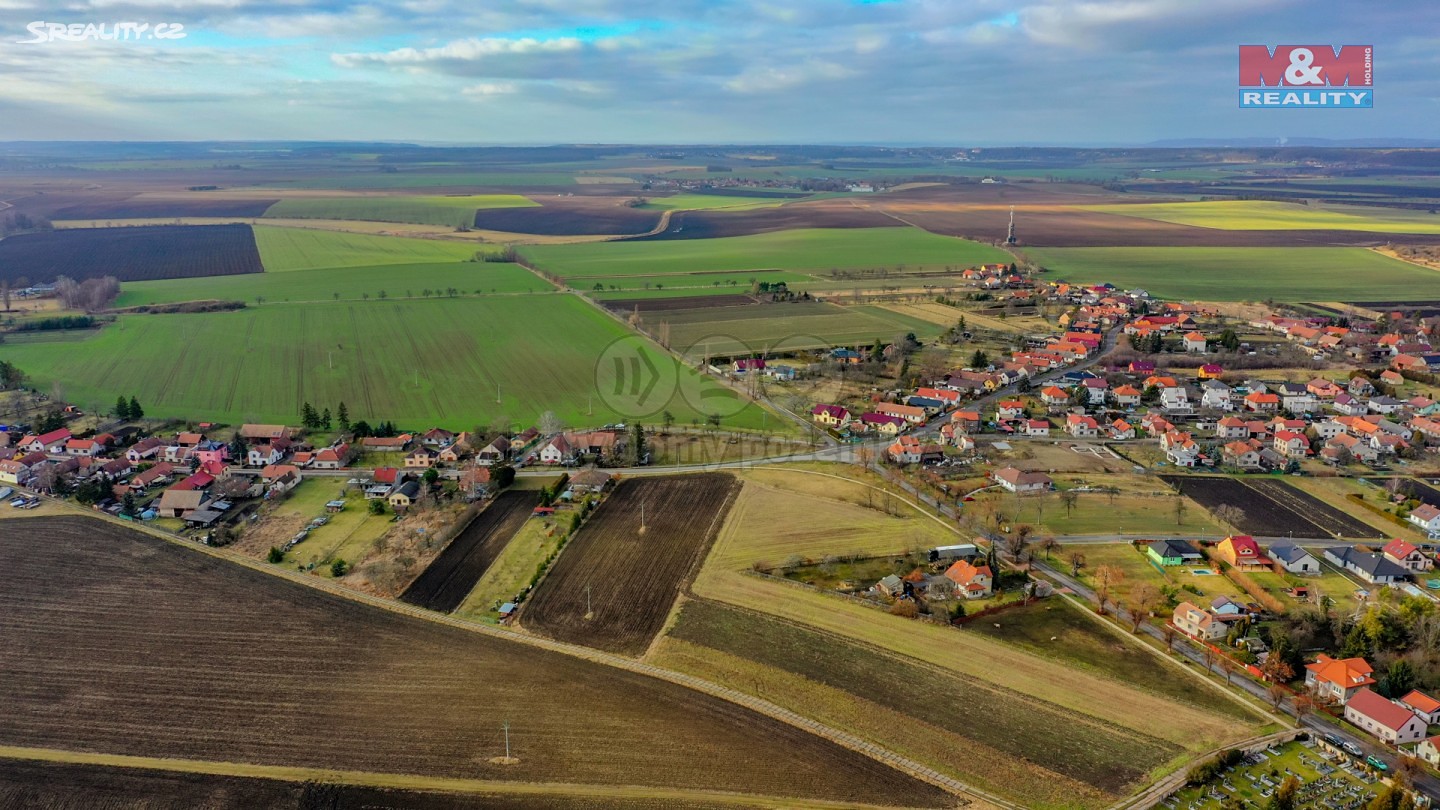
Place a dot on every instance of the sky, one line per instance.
(945, 72)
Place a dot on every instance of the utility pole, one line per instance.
(589, 611)
(507, 739)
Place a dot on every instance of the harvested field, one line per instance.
(572, 217)
(226, 663)
(131, 254)
(1272, 508)
(448, 580)
(1331, 520)
(38, 785)
(145, 209)
(713, 223)
(668, 304)
(633, 572)
(1110, 761)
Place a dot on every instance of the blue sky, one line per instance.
(695, 71)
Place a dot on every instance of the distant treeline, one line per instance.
(59, 322)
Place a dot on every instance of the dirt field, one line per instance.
(446, 582)
(686, 302)
(822, 214)
(221, 662)
(145, 209)
(559, 216)
(1272, 508)
(131, 254)
(633, 571)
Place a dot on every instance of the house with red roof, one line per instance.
(1407, 556)
(1193, 343)
(1010, 409)
(1054, 396)
(1198, 623)
(52, 443)
(882, 423)
(1120, 430)
(1422, 704)
(1243, 552)
(1391, 722)
(1126, 396)
(971, 581)
(332, 458)
(1037, 427)
(1262, 402)
(557, 451)
(1337, 679)
(830, 415)
(1081, 426)
(82, 447)
(1291, 444)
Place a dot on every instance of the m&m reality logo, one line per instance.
(1306, 76)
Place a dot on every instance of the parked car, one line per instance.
(1331, 739)
(1352, 749)
(6, 492)
(1376, 763)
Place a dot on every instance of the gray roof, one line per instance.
(1288, 553)
(1374, 564)
(409, 489)
(1174, 548)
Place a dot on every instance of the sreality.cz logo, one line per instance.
(1306, 76)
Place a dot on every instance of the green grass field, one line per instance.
(1251, 274)
(351, 283)
(1260, 215)
(456, 211)
(723, 330)
(286, 249)
(695, 283)
(376, 179)
(814, 249)
(709, 201)
(419, 363)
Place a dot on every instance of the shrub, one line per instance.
(1211, 768)
(906, 608)
(275, 555)
(339, 568)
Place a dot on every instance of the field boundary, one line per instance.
(844, 739)
(379, 779)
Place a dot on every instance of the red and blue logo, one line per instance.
(1307, 76)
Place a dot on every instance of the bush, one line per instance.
(377, 506)
(275, 555)
(906, 608)
(339, 568)
(1211, 768)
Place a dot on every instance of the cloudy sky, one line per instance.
(686, 71)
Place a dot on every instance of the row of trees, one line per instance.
(91, 295)
(126, 410)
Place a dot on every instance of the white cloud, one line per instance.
(464, 50)
(784, 77)
(490, 89)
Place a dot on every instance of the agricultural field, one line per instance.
(453, 211)
(373, 179)
(597, 216)
(314, 680)
(516, 567)
(1234, 273)
(444, 585)
(1272, 508)
(1261, 215)
(287, 249)
(691, 202)
(1098, 513)
(348, 283)
(346, 537)
(627, 572)
(130, 254)
(798, 250)
(713, 223)
(143, 208)
(793, 326)
(417, 362)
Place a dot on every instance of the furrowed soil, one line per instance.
(130, 254)
(114, 641)
(633, 571)
(448, 580)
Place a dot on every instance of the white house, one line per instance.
(1294, 559)
(1022, 483)
(1427, 518)
(1391, 722)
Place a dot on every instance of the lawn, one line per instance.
(417, 362)
(513, 570)
(1260, 215)
(456, 211)
(1137, 569)
(285, 249)
(1098, 513)
(351, 283)
(348, 534)
(815, 249)
(1238, 273)
(729, 330)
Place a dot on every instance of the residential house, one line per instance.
(1022, 483)
(437, 438)
(332, 458)
(1242, 552)
(1391, 722)
(1095, 390)
(386, 444)
(144, 450)
(1429, 751)
(474, 481)
(1384, 405)
(404, 495)
(1175, 399)
(421, 458)
(1200, 624)
(745, 365)
(14, 472)
(1323, 388)
(971, 581)
(590, 480)
(1370, 566)
(1427, 517)
(1291, 444)
(1126, 396)
(1194, 343)
(1240, 454)
(1407, 556)
(1054, 396)
(1231, 428)
(1347, 405)
(1215, 396)
(1120, 430)
(1428, 708)
(382, 482)
(1172, 552)
(909, 413)
(1037, 427)
(966, 421)
(1010, 409)
(158, 474)
(1081, 426)
(493, 453)
(1211, 371)
(179, 503)
(263, 455)
(1337, 679)
(263, 433)
(557, 451)
(82, 447)
(882, 423)
(522, 440)
(1262, 402)
(453, 453)
(1294, 559)
(52, 443)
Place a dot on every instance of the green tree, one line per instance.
(238, 449)
(979, 359)
(1285, 796)
(136, 412)
(1229, 340)
(668, 420)
(430, 476)
(339, 568)
(377, 506)
(1398, 680)
(122, 408)
(127, 505)
(342, 415)
(637, 442)
(325, 419)
(275, 556)
(308, 418)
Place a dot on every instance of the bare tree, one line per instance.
(1303, 704)
(550, 423)
(1068, 499)
(1168, 632)
(1230, 514)
(1018, 541)
(1209, 654)
(1141, 602)
(1076, 561)
(1106, 578)
(1180, 509)
(1049, 544)
(1277, 694)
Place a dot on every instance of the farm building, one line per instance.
(1391, 722)
(264, 433)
